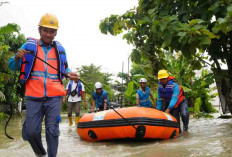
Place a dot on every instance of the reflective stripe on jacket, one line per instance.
(144, 97)
(42, 80)
(28, 60)
(99, 98)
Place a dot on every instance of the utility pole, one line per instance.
(128, 69)
(122, 83)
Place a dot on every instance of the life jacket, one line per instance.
(99, 98)
(167, 92)
(40, 79)
(144, 98)
(28, 60)
(79, 88)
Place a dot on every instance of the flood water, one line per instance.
(208, 137)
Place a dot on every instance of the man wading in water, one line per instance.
(44, 88)
(171, 99)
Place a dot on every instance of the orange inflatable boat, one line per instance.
(139, 123)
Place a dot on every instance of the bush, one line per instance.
(206, 106)
(3, 116)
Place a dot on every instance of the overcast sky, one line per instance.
(79, 28)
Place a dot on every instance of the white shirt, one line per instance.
(75, 98)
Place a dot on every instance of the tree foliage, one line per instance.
(10, 41)
(91, 74)
(181, 68)
(186, 26)
(194, 87)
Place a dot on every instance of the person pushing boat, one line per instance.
(100, 98)
(171, 99)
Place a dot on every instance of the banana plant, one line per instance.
(10, 41)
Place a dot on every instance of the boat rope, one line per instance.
(10, 103)
(31, 53)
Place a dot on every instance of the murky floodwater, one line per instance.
(208, 137)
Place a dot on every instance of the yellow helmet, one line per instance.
(49, 21)
(162, 74)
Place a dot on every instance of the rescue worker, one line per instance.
(142, 95)
(171, 99)
(43, 84)
(100, 98)
(74, 91)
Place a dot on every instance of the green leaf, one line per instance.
(181, 34)
(103, 27)
(216, 28)
(196, 65)
(2, 76)
(173, 18)
(210, 34)
(195, 21)
(154, 24)
(163, 25)
(135, 56)
(151, 11)
(197, 84)
(205, 40)
(165, 43)
(214, 6)
(186, 89)
(9, 28)
(164, 12)
(221, 20)
(130, 89)
(224, 28)
(197, 106)
(229, 8)
(116, 26)
(144, 20)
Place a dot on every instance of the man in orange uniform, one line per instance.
(44, 88)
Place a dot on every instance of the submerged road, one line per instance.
(208, 137)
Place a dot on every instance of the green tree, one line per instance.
(137, 72)
(90, 74)
(10, 41)
(189, 27)
(136, 69)
(123, 76)
(201, 93)
(179, 67)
